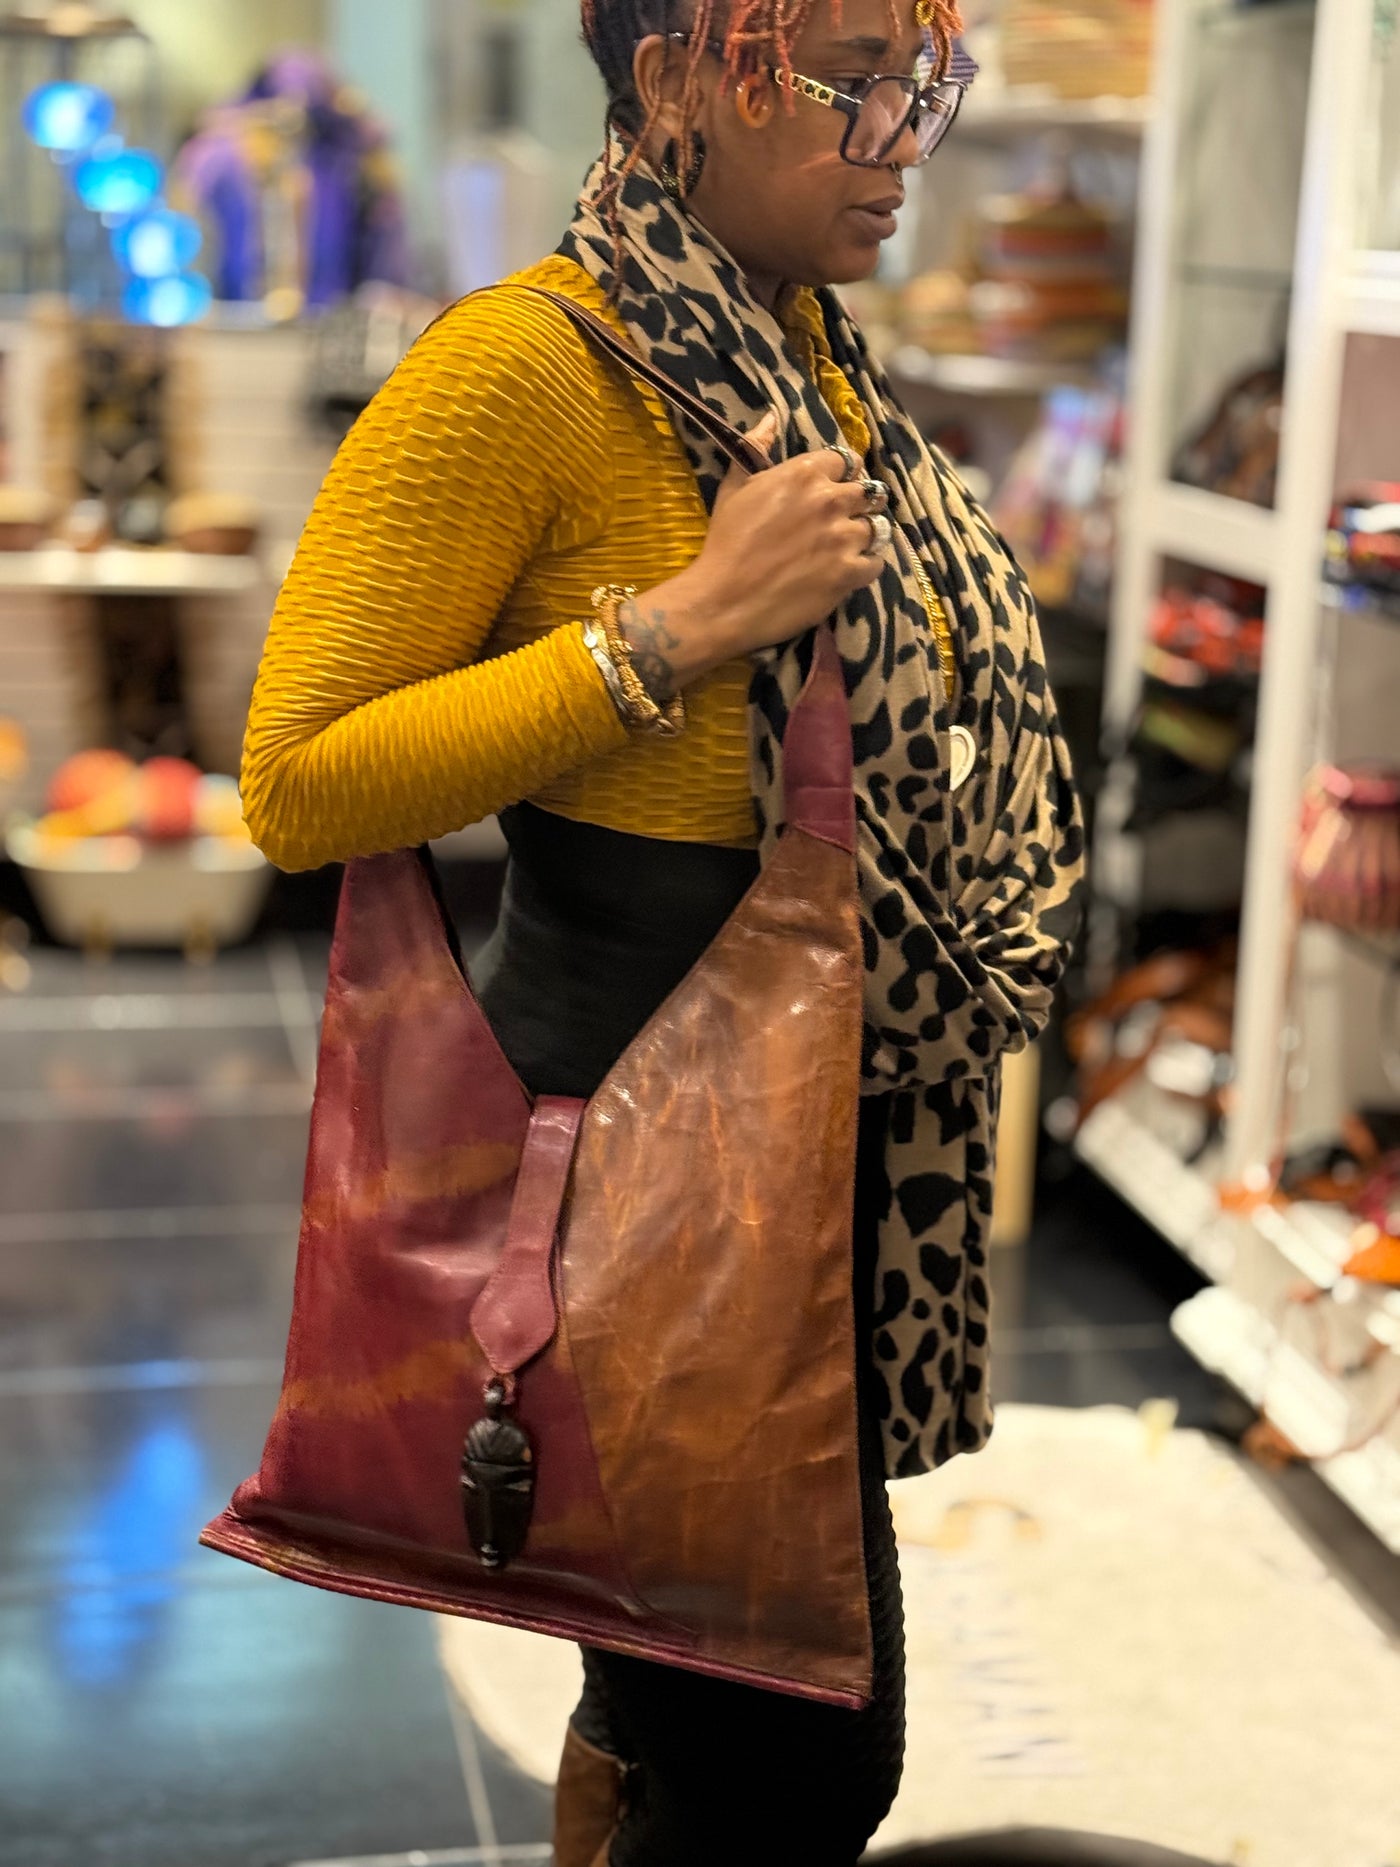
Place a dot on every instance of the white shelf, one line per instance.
(978, 375)
(1174, 1198)
(128, 571)
(1313, 1238)
(1034, 108)
(1372, 302)
(1212, 531)
(1316, 1240)
(1237, 1343)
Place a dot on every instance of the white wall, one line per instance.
(385, 48)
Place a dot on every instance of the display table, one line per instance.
(127, 570)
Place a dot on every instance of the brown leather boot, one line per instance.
(587, 1803)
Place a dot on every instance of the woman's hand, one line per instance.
(785, 548)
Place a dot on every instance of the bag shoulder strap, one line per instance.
(597, 330)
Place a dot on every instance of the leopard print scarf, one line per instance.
(969, 898)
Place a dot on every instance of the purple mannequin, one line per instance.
(355, 222)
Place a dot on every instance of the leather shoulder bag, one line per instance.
(588, 1367)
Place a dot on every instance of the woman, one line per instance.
(434, 659)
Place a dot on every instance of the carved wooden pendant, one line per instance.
(498, 1483)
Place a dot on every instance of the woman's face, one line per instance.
(775, 189)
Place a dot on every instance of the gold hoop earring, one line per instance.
(755, 116)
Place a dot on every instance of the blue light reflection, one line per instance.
(168, 302)
(158, 244)
(138, 1531)
(123, 182)
(68, 118)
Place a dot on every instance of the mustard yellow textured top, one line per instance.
(426, 665)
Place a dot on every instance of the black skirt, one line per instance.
(596, 929)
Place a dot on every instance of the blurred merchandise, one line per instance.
(297, 190)
(1047, 285)
(104, 793)
(1235, 452)
(1079, 48)
(27, 517)
(1038, 280)
(876, 307)
(1168, 1018)
(86, 527)
(1204, 741)
(219, 524)
(357, 346)
(1358, 1172)
(1190, 750)
(14, 760)
(1334, 1172)
(1057, 507)
(1363, 538)
(1346, 867)
(116, 422)
(1376, 1259)
(935, 312)
(1213, 632)
(85, 776)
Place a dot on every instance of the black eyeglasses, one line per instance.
(879, 110)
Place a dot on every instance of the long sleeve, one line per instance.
(373, 723)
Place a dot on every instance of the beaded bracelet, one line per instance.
(639, 710)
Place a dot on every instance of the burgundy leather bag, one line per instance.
(615, 1335)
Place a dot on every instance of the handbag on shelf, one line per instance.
(1346, 867)
(588, 1367)
(1345, 874)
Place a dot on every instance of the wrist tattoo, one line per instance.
(651, 644)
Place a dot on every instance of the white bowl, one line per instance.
(120, 891)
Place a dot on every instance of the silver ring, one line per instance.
(881, 532)
(877, 493)
(852, 464)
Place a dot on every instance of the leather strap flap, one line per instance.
(515, 1316)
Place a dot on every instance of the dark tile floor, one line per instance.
(161, 1706)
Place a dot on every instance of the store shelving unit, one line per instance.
(1233, 1339)
(1334, 291)
(958, 374)
(1015, 110)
